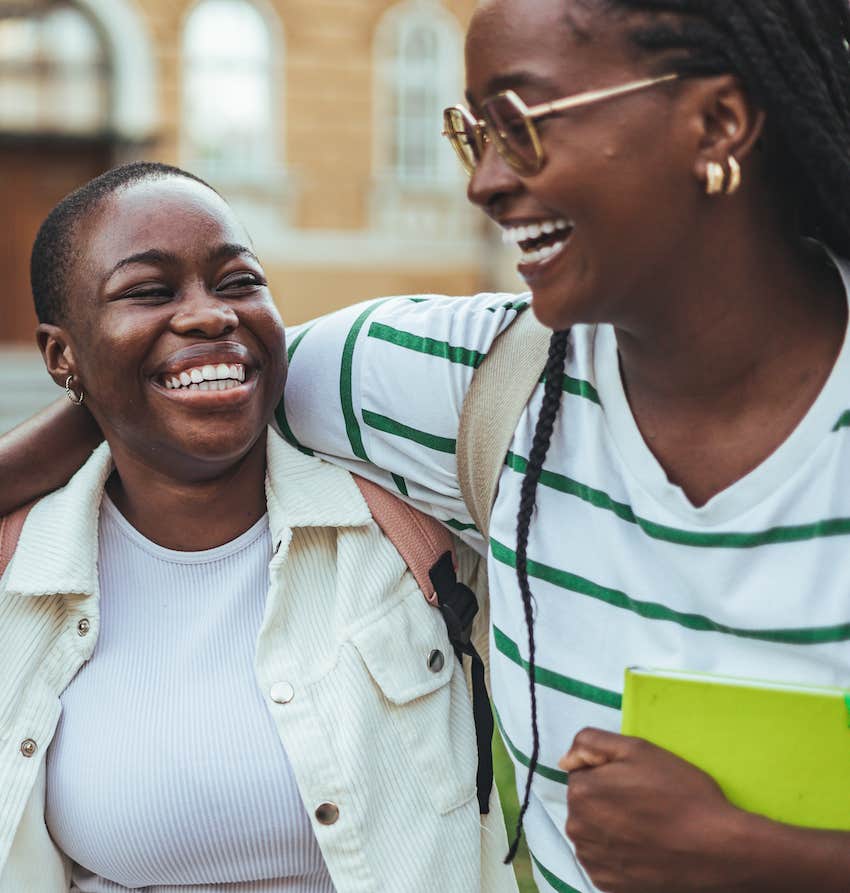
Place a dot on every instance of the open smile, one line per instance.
(540, 242)
(209, 375)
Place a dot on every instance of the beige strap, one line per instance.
(500, 389)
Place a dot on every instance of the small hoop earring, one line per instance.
(76, 400)
(734, 176)
(715, 178)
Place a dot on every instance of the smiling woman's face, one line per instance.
(616, 192)
(172, 332)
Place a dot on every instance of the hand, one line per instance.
(644, 821)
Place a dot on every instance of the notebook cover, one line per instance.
(779, 751)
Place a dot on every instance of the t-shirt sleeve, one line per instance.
(378, 388)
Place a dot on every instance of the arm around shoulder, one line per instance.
(44, 452)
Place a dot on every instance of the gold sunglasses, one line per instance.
(508, 123)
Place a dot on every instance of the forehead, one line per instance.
(570, 44)
(172, 214)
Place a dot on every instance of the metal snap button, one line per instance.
(28, 747)
(83, 627)
(282, 692)
(436, 661)
(327, 813)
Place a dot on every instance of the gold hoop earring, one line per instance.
(74, 398)
(715, 178)
(734, 176)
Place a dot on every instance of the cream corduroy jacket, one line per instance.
(371, 728)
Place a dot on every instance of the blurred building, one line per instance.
(318, 119)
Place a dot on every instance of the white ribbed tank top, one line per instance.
(166, 772)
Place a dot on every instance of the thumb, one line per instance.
(592, 748)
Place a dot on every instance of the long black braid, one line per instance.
(552, 394)
(793, 57)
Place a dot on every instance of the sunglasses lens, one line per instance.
(512, 134)
(461, 134)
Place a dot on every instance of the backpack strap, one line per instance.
(10, 532)
(427, 549)
(500, 389)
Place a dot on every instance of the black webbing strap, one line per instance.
(459, 606)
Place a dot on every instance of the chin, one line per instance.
(218, 445)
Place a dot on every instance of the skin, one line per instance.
(718, 307)
(167, 281)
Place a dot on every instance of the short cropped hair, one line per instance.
(56, 250)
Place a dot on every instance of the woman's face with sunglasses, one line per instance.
(574, 148)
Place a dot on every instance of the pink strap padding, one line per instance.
(421, 541)
(10, 532)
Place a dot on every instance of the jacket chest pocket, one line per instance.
(411, 662)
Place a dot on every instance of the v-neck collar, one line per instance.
(748, 491)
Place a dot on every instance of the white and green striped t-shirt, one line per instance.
(624, 569)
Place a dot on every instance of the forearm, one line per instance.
(786, 859)
(43, 453)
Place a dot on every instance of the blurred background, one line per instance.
(318, 119)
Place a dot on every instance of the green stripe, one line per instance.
(553, 880)
(461, 355)
(519, 306)
(390, 426)
(730, 540)
(280, 412)
(401, 484)
(816, 635)
(578, 387)
(459, 525)
(843, 422)
(552, 774)
(583, 690)
(346, 394)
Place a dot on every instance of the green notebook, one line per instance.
(782, 751)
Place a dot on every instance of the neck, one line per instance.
(190, 515)
(742, 321)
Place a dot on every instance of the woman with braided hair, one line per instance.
(676, 175)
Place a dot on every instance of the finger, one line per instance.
(592, 748)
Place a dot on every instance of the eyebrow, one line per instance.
(513, 80)
(158, 257)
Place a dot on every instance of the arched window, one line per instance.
(230, 91)
(419, 72)
(54, 73)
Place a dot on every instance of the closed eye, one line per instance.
(242, 280)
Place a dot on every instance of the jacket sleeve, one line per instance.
(378, 388)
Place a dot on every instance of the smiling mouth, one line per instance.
(541, 242)
(209, 377)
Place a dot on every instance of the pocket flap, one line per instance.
(407, 650)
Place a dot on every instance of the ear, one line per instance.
(728, 122)
(57, 351)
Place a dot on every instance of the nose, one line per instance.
(492, 181)
(203, 313)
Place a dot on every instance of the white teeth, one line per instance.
(518, 234)
(546, 253)
(221, 377)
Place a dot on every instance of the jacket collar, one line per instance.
(304, 491)
(57, 551)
